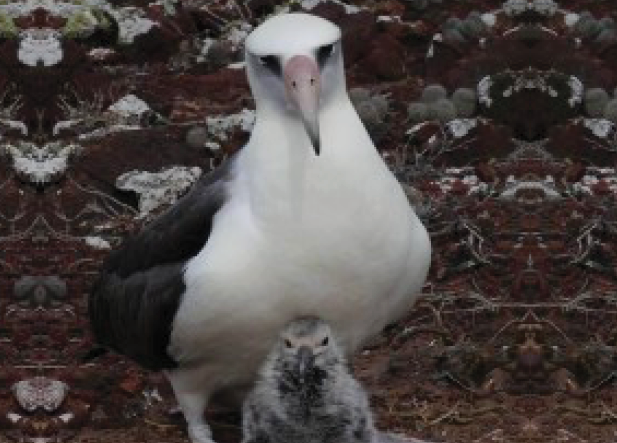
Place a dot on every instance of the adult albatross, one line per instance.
(306, 219)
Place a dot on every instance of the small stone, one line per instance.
(197, 136)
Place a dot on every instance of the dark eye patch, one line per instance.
(324, 52)
(271, 62)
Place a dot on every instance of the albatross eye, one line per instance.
(324, 52)
(272, 63)
(325, 341)
(288, 343)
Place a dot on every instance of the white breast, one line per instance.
(359, 270)
(351, 251)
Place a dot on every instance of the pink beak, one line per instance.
(301, 76)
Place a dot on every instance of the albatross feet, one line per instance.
(200, 433)
(192, 399)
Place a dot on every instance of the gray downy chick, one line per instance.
(305, 392)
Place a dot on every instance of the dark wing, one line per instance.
(134, 301)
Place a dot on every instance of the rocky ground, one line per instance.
(498, 118)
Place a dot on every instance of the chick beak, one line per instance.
(306, 361)
(302, 84)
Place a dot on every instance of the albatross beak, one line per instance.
(301, 76)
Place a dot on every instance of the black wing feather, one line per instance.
(134, 301)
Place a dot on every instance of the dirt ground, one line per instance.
(513, 339)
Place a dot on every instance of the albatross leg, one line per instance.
(192, 400)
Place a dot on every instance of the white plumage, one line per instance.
(296, 233)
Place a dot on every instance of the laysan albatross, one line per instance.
(306, 219)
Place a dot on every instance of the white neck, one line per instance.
(283, 177)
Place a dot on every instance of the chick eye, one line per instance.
(288, 343)
(325, 341)
(324, 53)
(272, 63)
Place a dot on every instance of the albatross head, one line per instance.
(295, 66)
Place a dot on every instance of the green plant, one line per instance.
(610, 110)
(417, 112)
(442, 110)
(595, 101)
(432, 93)
(465, 101)
(587, 26)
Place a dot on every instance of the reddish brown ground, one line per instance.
(513, 339)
